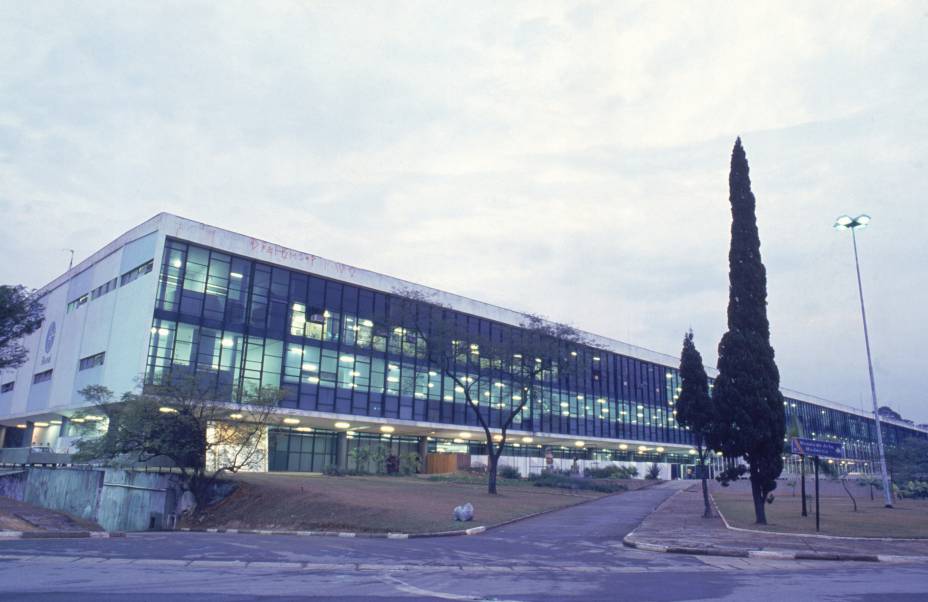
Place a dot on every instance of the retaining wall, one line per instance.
(117, 500)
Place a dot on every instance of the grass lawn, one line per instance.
(377, 504)
(908, 519)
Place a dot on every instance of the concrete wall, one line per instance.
(136, 501)
(66, 490)
(13, 483)
(117, 500)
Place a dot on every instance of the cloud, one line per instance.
(565, 159)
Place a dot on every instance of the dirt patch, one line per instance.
(375, 504)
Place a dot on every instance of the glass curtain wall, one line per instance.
(332, 347)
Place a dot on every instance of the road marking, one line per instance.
(275, 565)
(161, 562)
(770, 554)
(218, 563)
(426, 593)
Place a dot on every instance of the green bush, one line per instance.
(654, 471)
(914, 490)
(611, 472)
(564, 482)
(409, 463)
(509, 472)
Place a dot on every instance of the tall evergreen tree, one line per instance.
(746, 393)
(695, 409)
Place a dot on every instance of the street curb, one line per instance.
(348, 534)
(7, 535)
(645, 546)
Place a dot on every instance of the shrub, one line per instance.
(598, 473)
(409, 463)
(509, 472)
(611, 472)
(379, 458)
(654, 471)
(563, 482)
(628, 472)
(393, 464)
(362, 459)
(914, 489)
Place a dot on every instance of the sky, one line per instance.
(566, 159)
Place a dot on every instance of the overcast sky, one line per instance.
(565, 159)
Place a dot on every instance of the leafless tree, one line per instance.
(482, 365)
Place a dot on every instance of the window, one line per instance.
(136, 272)
(103, 289)
(41, 377)
(92, 361)
(78, 302)
(7, 387)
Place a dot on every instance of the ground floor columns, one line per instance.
(341, 451)
(423, 453)
(28, 433)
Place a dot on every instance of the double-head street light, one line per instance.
(846, 222)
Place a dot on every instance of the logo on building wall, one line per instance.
(50, 338)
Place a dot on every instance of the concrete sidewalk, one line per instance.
(678, 526)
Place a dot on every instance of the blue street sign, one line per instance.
(811, 447)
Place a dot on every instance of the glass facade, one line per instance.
(331, 347)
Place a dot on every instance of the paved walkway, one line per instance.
(678, 523)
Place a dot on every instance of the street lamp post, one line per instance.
(846, 222)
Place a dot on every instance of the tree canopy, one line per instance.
(746, 392)
(498, 373)
(21, 314)
(181, 421)
(908, 460)
(694, 407)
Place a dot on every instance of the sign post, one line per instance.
(816, 449)
(802, 470)
(817, 513)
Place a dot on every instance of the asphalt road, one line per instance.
(574, 554)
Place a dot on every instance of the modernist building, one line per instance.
(174, 292)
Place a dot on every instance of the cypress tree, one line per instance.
(694, 407)
(746, 393)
